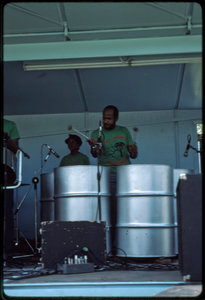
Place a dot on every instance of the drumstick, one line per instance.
(71, 128)
(135, 134)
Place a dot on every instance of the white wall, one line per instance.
(162, 139)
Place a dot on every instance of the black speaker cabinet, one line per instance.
(61, 239)
(189, 214)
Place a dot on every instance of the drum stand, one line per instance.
(7, 139)
(35, 181)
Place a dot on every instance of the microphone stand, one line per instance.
(35, 180)
(191, 147)
(98, 178)
(98, 171)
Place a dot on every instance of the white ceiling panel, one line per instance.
(94, 16)
(40, 92)
(32, 17)
(132, 88)
(191, 93)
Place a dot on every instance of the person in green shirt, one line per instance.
(117, 149)
(75, 157)
(117, 143)
(11, 130)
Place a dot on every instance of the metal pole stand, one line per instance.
(99, 178)
(35, 180)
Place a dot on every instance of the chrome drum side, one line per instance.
(76, 195)
(145, 211)
(47, 197)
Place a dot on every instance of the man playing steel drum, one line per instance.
(117, 149)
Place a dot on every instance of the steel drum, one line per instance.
(47, 197)
(76, 195)
(176, 174)
(145, 211)
(11, 164)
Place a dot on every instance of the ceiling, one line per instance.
(154, 49)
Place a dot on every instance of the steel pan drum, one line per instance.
(176, 174)
(11, 164)
(47, 197)
(145, 211)
(75, 195)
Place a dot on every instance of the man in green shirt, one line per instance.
(117, 149)
(11, 130)
(75, 157)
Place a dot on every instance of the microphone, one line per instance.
(186, 151)
(188, 145)
(52, 151)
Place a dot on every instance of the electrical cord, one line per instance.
(111, 264)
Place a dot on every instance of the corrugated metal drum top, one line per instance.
(145, 212)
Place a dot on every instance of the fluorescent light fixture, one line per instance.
(62, 65)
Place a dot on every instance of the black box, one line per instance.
(189, 215)
(65, 239)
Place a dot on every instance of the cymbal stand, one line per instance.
(35, 180)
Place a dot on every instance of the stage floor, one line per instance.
(130, 280)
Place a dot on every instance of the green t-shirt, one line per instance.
(72, 160)
(114, 146)
(11, 129)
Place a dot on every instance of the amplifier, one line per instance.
(60, 239)
(189, 215)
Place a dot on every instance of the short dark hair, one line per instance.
(115, 110)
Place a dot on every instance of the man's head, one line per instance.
(110, 117)
(74, 142)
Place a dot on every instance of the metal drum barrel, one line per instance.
(176, 174)
(76, 195)
(47, 197)
(145, 211)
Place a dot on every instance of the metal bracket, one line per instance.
(183, 176)
(66, 31)
(189, 25)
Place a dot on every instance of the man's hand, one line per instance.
(95, 149)
(132, 149)
(92, 141)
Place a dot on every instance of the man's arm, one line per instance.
(11, 146)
